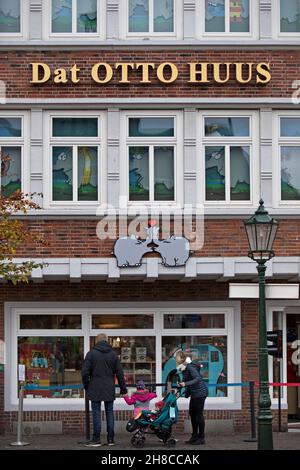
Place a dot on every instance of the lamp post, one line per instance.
(261, 231)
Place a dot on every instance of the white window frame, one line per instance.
(252, 142)
(176, 142)
(124, 23)
(253, 22)
(278, 142)
(276, 21)
(101, 23)
(12, 331)
(50, 142)
(24, 24)
(23, 142)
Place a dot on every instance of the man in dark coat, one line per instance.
(100, 367)
(196, 389)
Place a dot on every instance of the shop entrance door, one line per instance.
(293, 368)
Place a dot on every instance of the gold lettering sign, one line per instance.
(146, 72)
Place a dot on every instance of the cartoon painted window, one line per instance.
(75, 159)
(290, 158)
(151, 16)
(209, 352)
(74, 16)
(227, 159)
(151, 166)
(227, 16)
(11, 154)
(290, 16)
(10, 16)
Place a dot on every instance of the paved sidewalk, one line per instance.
(283, 441)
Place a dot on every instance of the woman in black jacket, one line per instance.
(197, 390)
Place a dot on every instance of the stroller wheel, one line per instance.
(138, 442)
(170, 442)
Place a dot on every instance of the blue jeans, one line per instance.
(109, 411)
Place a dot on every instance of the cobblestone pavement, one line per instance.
(284, 441)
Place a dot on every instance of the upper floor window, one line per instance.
(75, 158)
(151, 16)
(75, 16)
(289, 150)
(290, 16)
(11, 149)
(227, 158)
(227, 16)
(11, 17)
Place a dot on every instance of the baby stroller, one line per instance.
(161, 425)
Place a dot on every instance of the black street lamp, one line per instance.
(261, 231)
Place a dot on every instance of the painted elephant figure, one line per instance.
(174, 251)
(130, 250)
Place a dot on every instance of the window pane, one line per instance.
(138, 16)
(164, 173)
(290, 173)
(86, 16)
(227, 127)
(75, 127)
(10, 127)
(87, 173)
(290, 16)
(209, 351)
(106, 321)
(61, 16)
(51, 361)
(215, 173)
(151, 127)
(239, 16)
(290, 127)
(10, 16)
(62, 174)
(240, 173)
(163, 16)
(215, 16)
(138, 173)
(10, 170)
(194, 320)
(50, 322)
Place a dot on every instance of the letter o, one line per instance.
(108, 71)
(161, 69)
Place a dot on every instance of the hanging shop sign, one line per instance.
(201, 73)
(129, 251)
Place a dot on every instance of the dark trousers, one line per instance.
(109, 412)
(196, 413)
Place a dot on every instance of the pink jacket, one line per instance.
(140, 399)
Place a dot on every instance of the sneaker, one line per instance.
(93, 443)
(110, 442)
(198, 442)
(191, 440)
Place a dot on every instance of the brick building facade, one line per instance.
(213, 145)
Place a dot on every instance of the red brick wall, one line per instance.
(15, 69)
(137, 291)
(222, 237)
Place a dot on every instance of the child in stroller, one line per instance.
(159, 422)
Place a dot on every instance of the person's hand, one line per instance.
(181, 384)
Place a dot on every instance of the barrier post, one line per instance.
(19, 441)
(279, 397)
(252, 413)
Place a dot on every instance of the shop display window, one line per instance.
(49, 322)
(128, 321)
(193, 320)
(51, 361)
(209, 351)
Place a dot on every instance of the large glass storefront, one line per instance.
(52, 343)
